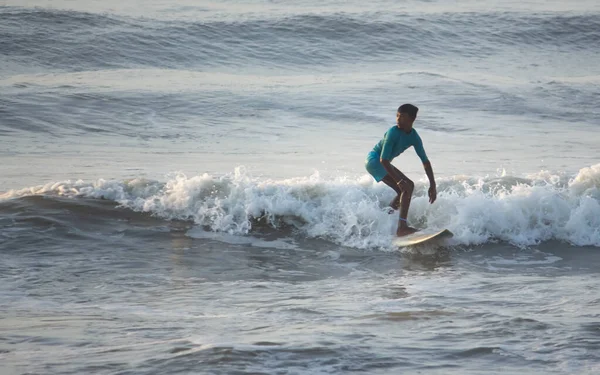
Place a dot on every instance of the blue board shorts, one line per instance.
(374, 166)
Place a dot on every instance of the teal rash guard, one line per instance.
(394, 142)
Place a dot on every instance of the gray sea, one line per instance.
(182, 187)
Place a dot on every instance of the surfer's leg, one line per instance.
(395, 203)
(405, 191)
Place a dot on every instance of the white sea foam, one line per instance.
(281, 243)
(352, 212)
(524, 260)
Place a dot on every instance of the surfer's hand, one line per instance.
(432, 194)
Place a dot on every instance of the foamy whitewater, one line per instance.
(353, 213)
(183, 188)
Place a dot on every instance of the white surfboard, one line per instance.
(421, 237)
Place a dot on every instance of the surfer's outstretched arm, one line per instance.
(432, 187)
(428, 169)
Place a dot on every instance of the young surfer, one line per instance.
(379, 163)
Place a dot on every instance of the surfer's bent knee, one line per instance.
(408, 186)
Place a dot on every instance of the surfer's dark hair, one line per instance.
(409, 109)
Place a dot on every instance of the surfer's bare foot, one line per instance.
(405, 231)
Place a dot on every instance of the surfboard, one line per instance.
(421, 237)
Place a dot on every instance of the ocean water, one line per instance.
(183, 189)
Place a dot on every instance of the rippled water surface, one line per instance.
(183, 189)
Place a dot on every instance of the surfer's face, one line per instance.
(404, 121)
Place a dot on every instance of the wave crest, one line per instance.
(352, 212)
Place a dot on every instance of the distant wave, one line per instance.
(78, 41)
(352, 213)
(183, 103)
